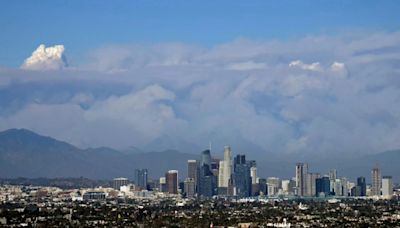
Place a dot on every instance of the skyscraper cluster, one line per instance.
(313, 184)
(231, 176)
(237, 176)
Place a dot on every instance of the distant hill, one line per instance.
(24, 153)
(64, 183)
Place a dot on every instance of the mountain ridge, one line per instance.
(24, 153)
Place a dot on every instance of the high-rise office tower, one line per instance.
(337, 187)
(242, 179)
(285, 186)
(311, 184)
(355, 191)
(350, 185)
(163, 184)
(189, 187)
(332, 178)
(361, 187)
(292, 186)
(118, 182)
(207, 181)
(387, 186)
(221, 174)
(262, 185)
(225, 168)
(192, 169)
(376, 181)
(301, 176)
(332, 174)
(206, 185)
(255, 189)
(254, 179)
(141, 178)
(215, 172)
(253, 174)
(273, 185)
(344, 183)
(322, 186)
(171, 178)
(206, 158)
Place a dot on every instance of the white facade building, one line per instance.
(286, 186)
(225, 168)
(387, 186)
(253, 174)
(273, 185)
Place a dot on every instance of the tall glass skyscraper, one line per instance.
(323, 185)
(141, 178)
(206, 158)
(242, 178)
(207, 182)
(362, 186)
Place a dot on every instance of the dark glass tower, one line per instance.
(206, 158)
(262, 182)
(322, 186)
(362, 186)
(207, 182)
(242, 178)
(141, 177)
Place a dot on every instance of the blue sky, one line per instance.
(84, 25)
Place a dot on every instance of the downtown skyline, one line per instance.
(186, 113)
(235, 176)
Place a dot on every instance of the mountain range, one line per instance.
(24, 153)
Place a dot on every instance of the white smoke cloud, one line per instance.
(312, 67)
(46, 58)
(338, 69)
(328, 102)
(144, 110)
(336, 66)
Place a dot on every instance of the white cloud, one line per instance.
(242, 92)
(137, 118)
(316, 66)
(338, 69)
(142, 110)
(336, 66)
(50, 58)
